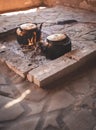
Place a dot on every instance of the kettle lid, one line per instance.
(28, 26)
(56, 37)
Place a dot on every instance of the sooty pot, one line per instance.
(56, 45)
(28, 34)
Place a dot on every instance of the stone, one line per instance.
(94, 128)
(80, 120)
(35, 107)
(10, 109)
(1, 126)
(51, 120)
(23, 86)
(2, 80)
(9, 91)
(16, 79)
(59, 100)
(6, 90)
(90, 102)
(27, 124)
(37, 94)
(81, 86)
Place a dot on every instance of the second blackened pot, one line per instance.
(56, 45)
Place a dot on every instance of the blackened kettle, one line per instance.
(56, 45)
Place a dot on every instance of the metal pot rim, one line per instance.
(56, 37)
(28, 26)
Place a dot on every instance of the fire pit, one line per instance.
(55, 46)
(34, 65)
(32, 57)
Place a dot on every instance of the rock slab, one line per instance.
(9, 109)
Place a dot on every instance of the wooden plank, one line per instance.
(45, 74)
(20, 65)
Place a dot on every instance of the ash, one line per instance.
(12, 48)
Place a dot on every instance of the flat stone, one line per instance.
(2, 126)
(9, 91)
(81, 86)
(28, 124)
(23, 86)
(45, 74)
(37, 95)
(16, 79)
(35, 107)
(94, 128)
(6, 90)
(80, 120)
(90, 102)
(2, 79)
(92, 78)
(9, 109)
(59, 100)
(50, 120)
